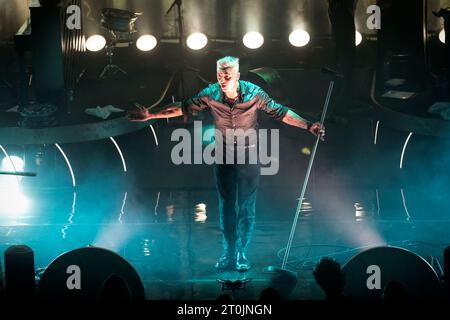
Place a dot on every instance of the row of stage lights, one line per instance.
(197, 40)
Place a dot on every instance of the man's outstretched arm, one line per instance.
(286, 115)
(189, 107)
(293, 119)
(143, 114)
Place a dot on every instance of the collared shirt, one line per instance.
(243, 114)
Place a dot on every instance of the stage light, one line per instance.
(200, 213)
(196, 41)
(358, 38)
(154, 135)
(253, 40)
(120, 154)
(306, 151)
(95, 43)
(299, 38)
(376, 132)
(13, 202)
(12, 163)
(146, 42)
(68, 163)
(442, 36)
(360, 212)
(404, 148)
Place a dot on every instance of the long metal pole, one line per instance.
(305, 183)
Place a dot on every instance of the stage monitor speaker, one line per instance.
(81, 274)
(368, 273)
(19, 271)
(447, 269)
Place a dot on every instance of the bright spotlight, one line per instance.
(358, 38)
(95, 43)
(442, 36)
(146, 42)
(12, 163)
(197, 41)
(299, 38)
(253, 40)
(13, 202)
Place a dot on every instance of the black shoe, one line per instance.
(242, 263)
(225, 262)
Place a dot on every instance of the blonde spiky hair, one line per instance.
(228, 62)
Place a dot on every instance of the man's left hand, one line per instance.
(317, 130)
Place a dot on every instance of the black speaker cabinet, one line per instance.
(368, 273)
(82, 273)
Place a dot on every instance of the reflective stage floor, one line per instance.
(363, 192)
(172, 238)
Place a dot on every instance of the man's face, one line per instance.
(228, 79)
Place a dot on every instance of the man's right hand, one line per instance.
(140, 114)
(317, 130)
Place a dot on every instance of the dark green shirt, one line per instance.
(243, 114)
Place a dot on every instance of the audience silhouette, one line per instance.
(330, 278)
(115, 288)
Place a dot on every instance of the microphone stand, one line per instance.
(283, 270)
(178, 3)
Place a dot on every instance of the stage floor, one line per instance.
(163, 218)
(172, 237)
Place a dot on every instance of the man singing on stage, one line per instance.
(233, 104)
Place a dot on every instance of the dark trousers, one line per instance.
(237, 185)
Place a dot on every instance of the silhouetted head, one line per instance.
(329, 277)
(284, 283)
(115, 288)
